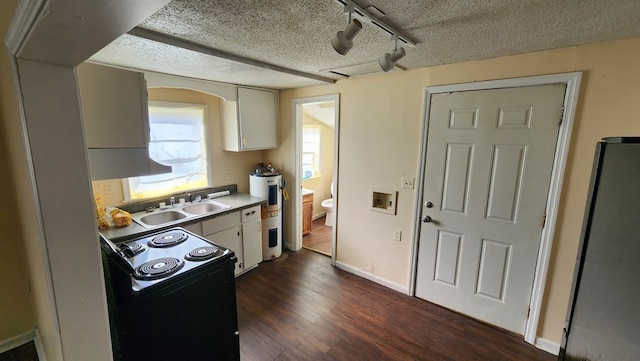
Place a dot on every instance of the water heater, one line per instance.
(265, 183)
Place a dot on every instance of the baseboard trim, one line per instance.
(548, 346)
(17, 341)
(372, 277)
(319, 215)
(42, 356)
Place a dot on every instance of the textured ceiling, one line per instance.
(295, 35)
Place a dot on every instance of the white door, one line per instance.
(487, 171)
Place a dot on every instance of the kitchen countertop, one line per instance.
(237, 201)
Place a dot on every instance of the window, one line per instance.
(177, 139)
(310, 152)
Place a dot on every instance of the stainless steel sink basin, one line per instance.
(204, 207)
(175, 215)
(155, 219)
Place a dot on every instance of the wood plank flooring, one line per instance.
(26, 352)
(302, 308)
(319, 240)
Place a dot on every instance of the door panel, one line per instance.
(487, 172)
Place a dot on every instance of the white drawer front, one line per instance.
(220, 223)
(250, 214)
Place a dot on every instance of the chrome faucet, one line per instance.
(172, 201)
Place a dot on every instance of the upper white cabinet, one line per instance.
(114, 107)
(116, 122)
(250, 123)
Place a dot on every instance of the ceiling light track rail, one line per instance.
(184, 44)
(357, 9)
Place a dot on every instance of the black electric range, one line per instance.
(171, 295)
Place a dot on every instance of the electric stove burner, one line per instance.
(168, 239)
(202, 253)
(158, 268)
(131, 249)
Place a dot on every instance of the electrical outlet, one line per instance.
(228, 175)
(397, 235)
(407, 182)
(108, 188)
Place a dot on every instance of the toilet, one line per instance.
(327, 204)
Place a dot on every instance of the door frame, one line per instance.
(296, 156)
(572, 82)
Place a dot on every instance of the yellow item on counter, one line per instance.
(101, 215)
(120, 218)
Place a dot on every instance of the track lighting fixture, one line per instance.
(343, 41)
(388, 61)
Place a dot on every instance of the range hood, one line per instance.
(110, 163)
(116, 122)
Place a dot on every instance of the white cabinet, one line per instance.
(114, 107)
(252, 236)
(250, 123)
(116, 122)
(239, 231)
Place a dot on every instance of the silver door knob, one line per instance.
(426, 219)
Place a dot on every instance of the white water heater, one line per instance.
(265, 183)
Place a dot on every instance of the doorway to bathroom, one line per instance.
(316, 129)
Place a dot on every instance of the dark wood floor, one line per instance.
(301, 308)
(319, 240)
(26, 352)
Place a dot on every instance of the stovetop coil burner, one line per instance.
(168, 239)
(202, 253)
(131, 249)
(158, 268)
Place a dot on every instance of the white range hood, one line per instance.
(116, 122)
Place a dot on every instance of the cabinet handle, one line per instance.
(250, 213)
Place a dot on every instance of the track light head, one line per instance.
(343, 41)
(388, 61)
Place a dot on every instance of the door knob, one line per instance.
(426, 219)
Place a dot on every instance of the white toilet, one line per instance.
(327, 204)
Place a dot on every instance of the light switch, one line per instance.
(407, 182)
(397, 235)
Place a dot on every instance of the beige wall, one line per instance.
(25, 302)
(222, 162)
(381, 120)
(16, 312)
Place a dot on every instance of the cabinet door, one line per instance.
(230, 238)
(114, 107)
(257, 125)
(252, 242)
(307, 213)
(195, 228)
(220, 223)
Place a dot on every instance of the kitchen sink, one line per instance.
(204, 207)
(159, 218)
(177, 213)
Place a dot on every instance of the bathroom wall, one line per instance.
(322, 184)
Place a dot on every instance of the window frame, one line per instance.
(207, 149)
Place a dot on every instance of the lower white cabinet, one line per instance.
(252, 237)
(239, 231)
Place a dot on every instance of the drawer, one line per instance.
(250, 214)
(220, 223)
